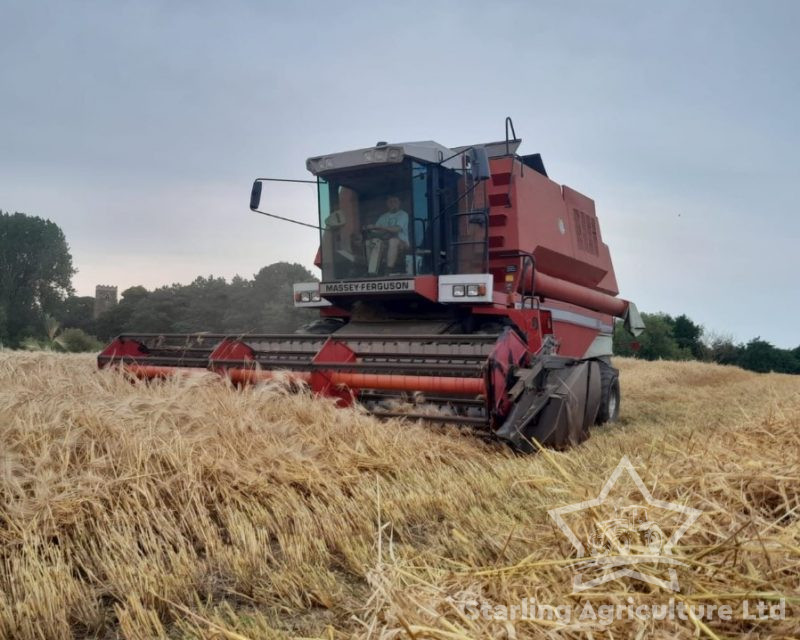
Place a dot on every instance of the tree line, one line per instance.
(263, 304)
(39, 308)
(679, 338)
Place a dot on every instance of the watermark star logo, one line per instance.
(631, 539)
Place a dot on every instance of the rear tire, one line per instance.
(609, 394)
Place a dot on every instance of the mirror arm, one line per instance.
(255, 200)
(272, 215)
(285, 180)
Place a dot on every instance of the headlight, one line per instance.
(472, 290)
(458, 291)
(305, 296)
(315, 297)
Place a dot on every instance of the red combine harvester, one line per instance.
(461, 281)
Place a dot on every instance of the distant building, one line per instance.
(105, 298)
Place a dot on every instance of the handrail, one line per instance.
(527, 258)
(510, 123)
(484, 241)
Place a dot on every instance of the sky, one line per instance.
(139, 127)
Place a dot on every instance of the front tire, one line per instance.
(609, 394)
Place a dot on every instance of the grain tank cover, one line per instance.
(383, 154)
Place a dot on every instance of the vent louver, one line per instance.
(585, 232)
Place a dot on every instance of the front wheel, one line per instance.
(609, 394)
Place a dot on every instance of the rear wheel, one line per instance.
(609, 394)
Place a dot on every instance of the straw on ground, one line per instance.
(188, 508)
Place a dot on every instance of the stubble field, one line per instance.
(191, 509)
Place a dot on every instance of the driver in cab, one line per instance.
(389, 235)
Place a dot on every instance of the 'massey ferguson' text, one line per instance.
(366, 286)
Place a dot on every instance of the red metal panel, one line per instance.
(533, 323)
(573, 341)
(601, 260)
(509, 352)
(121, 348)
(558, 225)
(428, 287)
(230, 350)
(332, 352)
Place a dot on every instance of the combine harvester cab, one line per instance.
(458, 284)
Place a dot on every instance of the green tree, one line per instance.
(261, 305)
(656, 342)
(161, 311)
(118, 319)
(272, 293)
(76, 312)
(760, 355)
(722, 350)
(207, 302)
(76, 341)
(625, 344)
(688, 336)
(35, 274)
(242, 314)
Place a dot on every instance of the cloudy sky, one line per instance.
(139, 126)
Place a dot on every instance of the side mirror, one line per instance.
(480, 164)
(255, 195)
